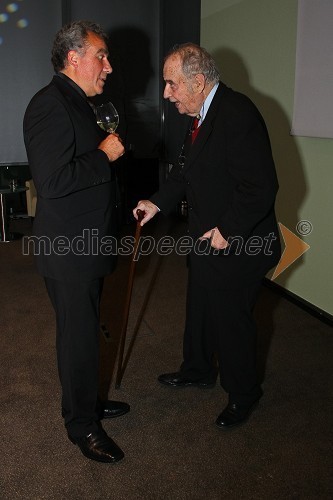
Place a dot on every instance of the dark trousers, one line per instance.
(76, 305)
(221, 322)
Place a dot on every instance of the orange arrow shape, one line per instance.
(294, 248)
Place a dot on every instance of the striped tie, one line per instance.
(195, 128)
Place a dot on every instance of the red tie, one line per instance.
(195, 129)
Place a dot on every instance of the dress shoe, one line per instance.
(235, 414)
(177, 380)
(112, 409)
(99, 446)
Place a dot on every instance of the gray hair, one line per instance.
(73, 36)
(195, 60)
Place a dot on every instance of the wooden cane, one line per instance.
(140, 214)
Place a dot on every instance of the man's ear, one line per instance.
(72, 58)
(199, 83)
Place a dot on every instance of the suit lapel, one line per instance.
(72, 95)
(205, 129)
(77, 101)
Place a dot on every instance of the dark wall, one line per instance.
(141, 33)
(180, 23)
(133, 29)
(26, 36)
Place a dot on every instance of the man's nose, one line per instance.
(167, 91)
(107, 67)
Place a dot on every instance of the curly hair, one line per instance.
(195, 60)
(73, 36)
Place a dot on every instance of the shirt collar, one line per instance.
(72, 84)
(207, 102)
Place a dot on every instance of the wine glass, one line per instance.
(107, 117)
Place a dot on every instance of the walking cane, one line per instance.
(140, 214)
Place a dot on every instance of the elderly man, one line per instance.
(227, 174)
(71, 161)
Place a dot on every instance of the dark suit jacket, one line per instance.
(75, 184)
(229, 181)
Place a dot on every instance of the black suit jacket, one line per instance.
(75, 183)
(230, 182)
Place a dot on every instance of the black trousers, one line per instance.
(220, 322)
(76, 305)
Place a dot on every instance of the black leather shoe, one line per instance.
(177, 380)
(235, 414)
(112, 409)
(99, 446)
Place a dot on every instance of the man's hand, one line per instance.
(112, 147)
(148, 208)
(216, 239)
